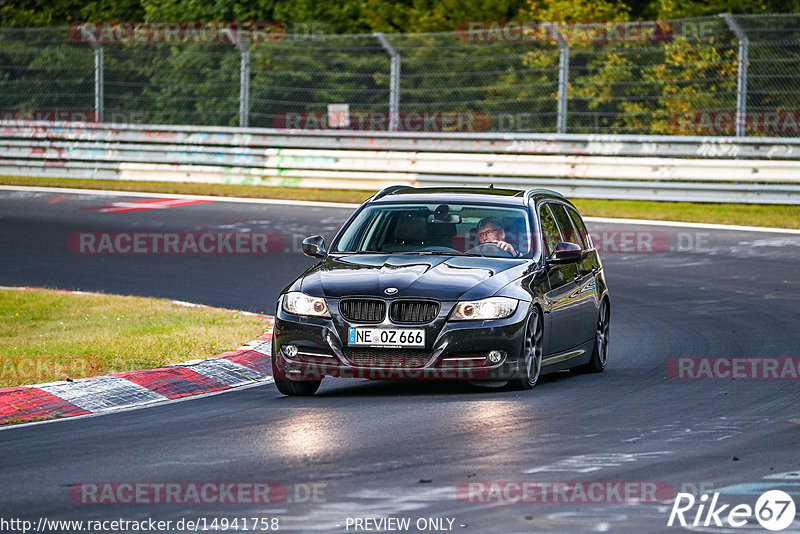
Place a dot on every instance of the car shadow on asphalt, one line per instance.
(393, 388)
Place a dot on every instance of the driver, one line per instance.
(490, 230)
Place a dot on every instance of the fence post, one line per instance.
(394, 82)
(244, 77)
(741, 78)
(563, 77)
(99, 81)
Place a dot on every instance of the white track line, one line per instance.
(679, 224)
(343, 205)
(212, 198)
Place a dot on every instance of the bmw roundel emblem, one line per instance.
(390, 290)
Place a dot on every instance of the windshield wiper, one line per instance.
(359, 252)
(428, 252)
(477, 255)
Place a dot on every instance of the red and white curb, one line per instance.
(248, 364)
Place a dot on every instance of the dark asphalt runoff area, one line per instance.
(444, 455)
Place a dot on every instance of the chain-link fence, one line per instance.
(688, 77)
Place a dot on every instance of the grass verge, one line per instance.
(47, 335)
(778, 216)
(775, 216)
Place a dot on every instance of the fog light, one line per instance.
(495, 356)
(290, 350)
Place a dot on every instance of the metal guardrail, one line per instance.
(755, 170)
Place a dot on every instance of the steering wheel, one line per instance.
(489, 248)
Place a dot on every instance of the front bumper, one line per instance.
(454, 350)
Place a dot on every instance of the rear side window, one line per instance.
(582, 232)
(568, 232)
(549, 229)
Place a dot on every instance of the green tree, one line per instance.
(671, 9)
(36, 13)
(419, 16)
(577, 10)
(201, 10)
(343, 16)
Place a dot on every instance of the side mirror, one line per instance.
(565, 253)
(314, 246)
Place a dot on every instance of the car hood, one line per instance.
(413, 275)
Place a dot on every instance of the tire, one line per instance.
(599, 357)
(297, 388)
(293, 388)
(531, 354)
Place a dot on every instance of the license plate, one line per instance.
(386, 337)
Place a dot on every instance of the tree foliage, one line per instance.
(390, 16)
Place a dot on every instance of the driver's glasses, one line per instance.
(486, 232)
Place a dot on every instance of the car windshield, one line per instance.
(453, 229)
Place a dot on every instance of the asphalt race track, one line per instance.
(370, 449)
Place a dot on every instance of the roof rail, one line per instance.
(530, 192)
(389, 190)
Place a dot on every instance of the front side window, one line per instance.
(549, 229)
(458, 229)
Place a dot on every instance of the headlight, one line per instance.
(302, 304)
(491, 308)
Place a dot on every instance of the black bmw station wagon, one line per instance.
(494, 286)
